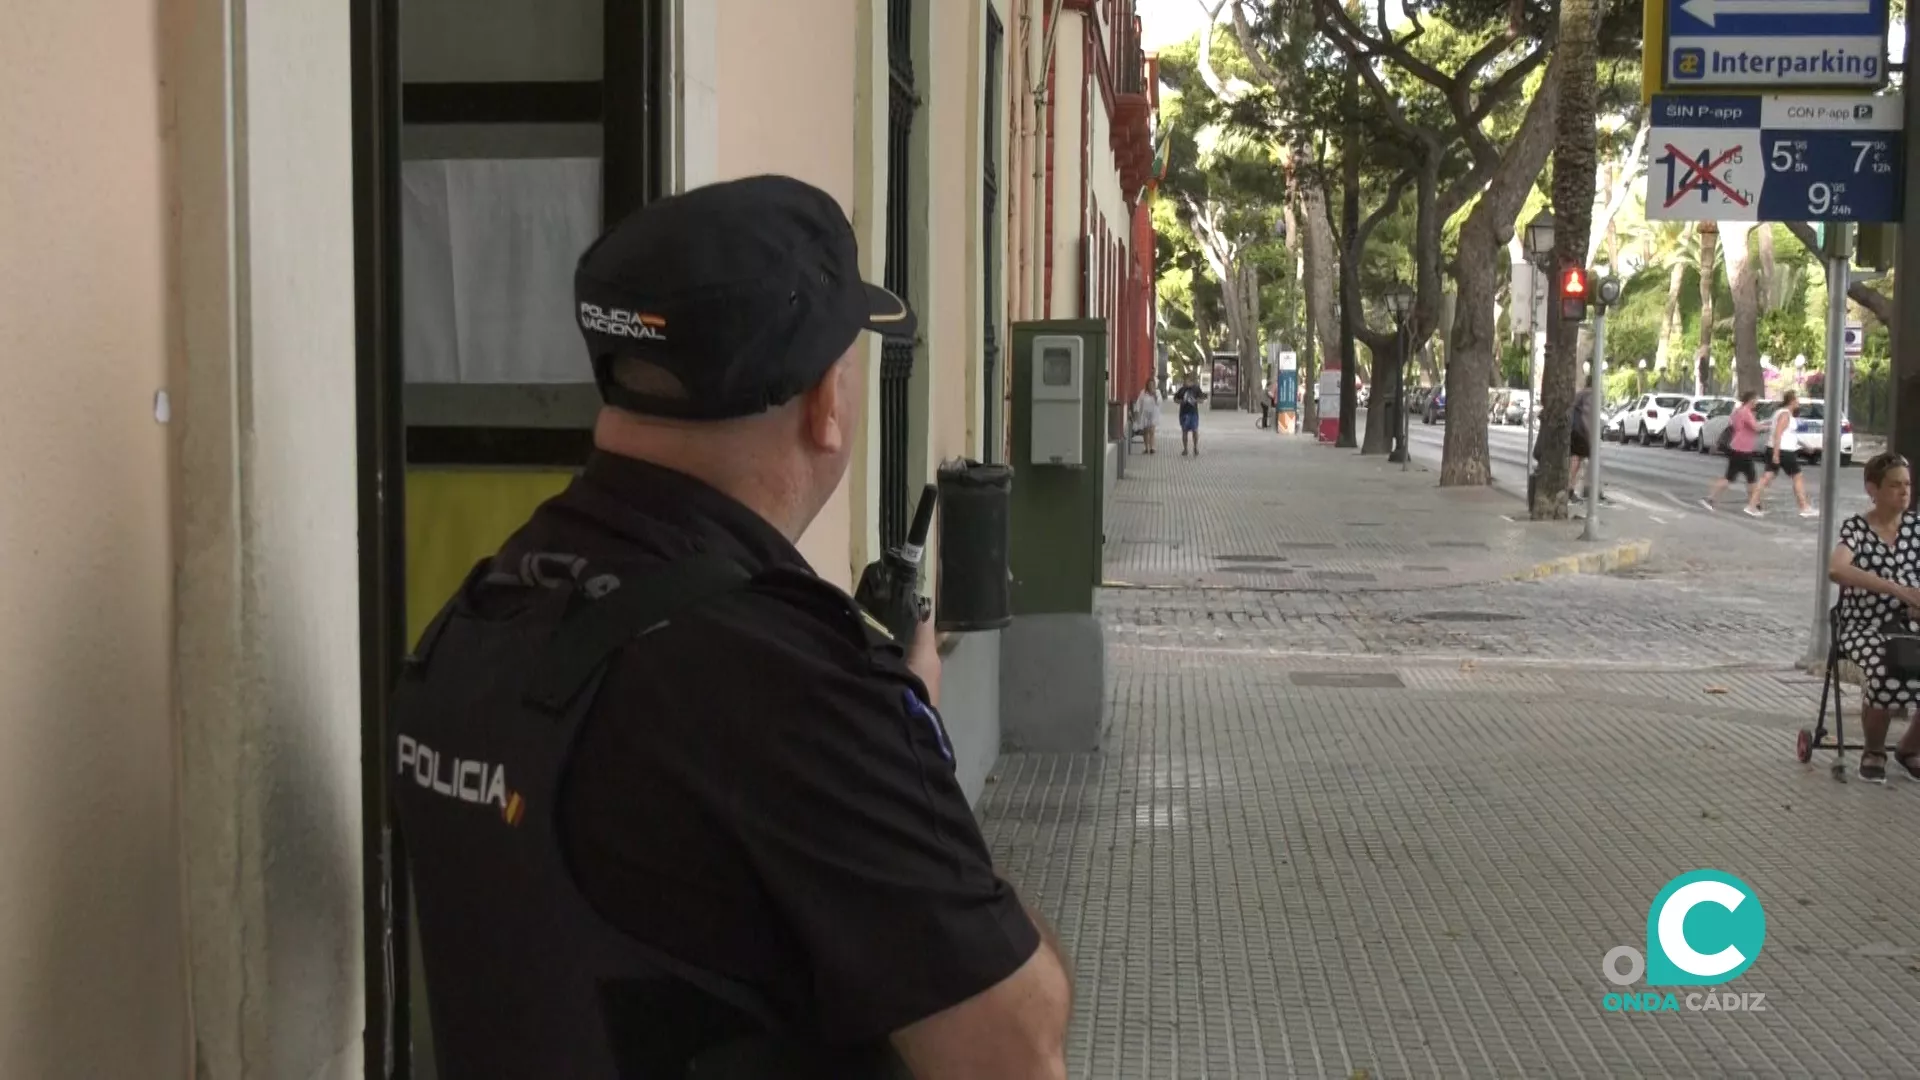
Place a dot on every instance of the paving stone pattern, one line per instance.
(1331, 835)
(1259, 511)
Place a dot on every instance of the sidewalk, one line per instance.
(1348, 833)
(1279, 512)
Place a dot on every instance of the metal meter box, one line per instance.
(1059, 381)
(1058, 363)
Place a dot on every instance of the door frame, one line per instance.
(634, 107)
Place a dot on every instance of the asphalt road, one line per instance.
(1653, 478)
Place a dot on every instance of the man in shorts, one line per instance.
(1580, 422)
(1190, 396)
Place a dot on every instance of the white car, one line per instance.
(1616, 417)
(1684, 427)
(1517, 404)
(1649, 416)
(1811, 424)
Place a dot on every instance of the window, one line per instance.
(896, 354)
(523, 134)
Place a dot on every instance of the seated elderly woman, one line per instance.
(1877, 566)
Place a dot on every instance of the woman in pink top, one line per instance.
(1745, 430)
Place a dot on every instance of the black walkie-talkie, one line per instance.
(890, 585)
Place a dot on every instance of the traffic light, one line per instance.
(1573, 294)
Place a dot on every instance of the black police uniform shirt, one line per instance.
(760, 791)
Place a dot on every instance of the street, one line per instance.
(1339, 828)
(1653, 479)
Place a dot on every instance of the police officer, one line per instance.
(675, 807)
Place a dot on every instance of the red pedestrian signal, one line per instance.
(1573, 294)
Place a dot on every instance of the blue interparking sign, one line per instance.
(1777, 45)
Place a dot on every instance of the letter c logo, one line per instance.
(1703, 929)
(1673, 934)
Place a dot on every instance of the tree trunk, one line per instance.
(1380, 365)
(1670, 323)
(1349, 289)
(1574, 152)
(1473, 357)
(1735, 247)
(1302, 342)
(1709, 268)
(1319, 255)
(1773, 293)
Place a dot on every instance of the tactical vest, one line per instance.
(521, 972)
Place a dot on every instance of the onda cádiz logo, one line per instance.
(1704, 929)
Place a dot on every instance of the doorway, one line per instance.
(493, 140)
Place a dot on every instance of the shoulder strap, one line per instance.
(633, 606)
(423, 649)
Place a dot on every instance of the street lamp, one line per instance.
(1539, 242)
(1540, 238)
(1400, 301)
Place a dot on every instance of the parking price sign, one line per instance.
(1774, 158)
(1776, 44)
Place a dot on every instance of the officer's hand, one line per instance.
(923, 657)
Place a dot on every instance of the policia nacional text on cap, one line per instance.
(673, 806)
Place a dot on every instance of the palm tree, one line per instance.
(1668, 250)
(1736, 244)
(1703, 352)
(1575, 171)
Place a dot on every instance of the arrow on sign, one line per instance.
(1708, 10)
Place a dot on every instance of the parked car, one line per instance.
(1518, 402)
(1436, 411)
(1811, 424)
(1717, 422)
(1616, 416)
(1649, 416)
(1417, 398)
(1684, 426)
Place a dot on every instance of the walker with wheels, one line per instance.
(1830, 688)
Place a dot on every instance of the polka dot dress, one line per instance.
(1863, 613)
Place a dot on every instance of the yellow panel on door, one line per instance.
(456, 517)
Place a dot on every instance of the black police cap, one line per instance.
(746, 292)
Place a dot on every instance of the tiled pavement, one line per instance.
(1260, 511)
(1333, 835)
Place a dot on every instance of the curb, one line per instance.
(1603, 561)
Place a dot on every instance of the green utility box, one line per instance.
(1059, 451)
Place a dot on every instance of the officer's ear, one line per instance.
(833, 408)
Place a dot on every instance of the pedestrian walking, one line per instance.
(1189, 396)
(1784, 458)
(1147, 409)
(673, 805)
(1877, 566)
(1742, 430)
(1580, 427)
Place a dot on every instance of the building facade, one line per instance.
(1086, 99)
(284, 289)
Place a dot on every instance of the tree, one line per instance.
(1456, 74)
(1709, 234)
(1228, 190)
(1483, 242)
(1575, 168)
(1735, 244)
